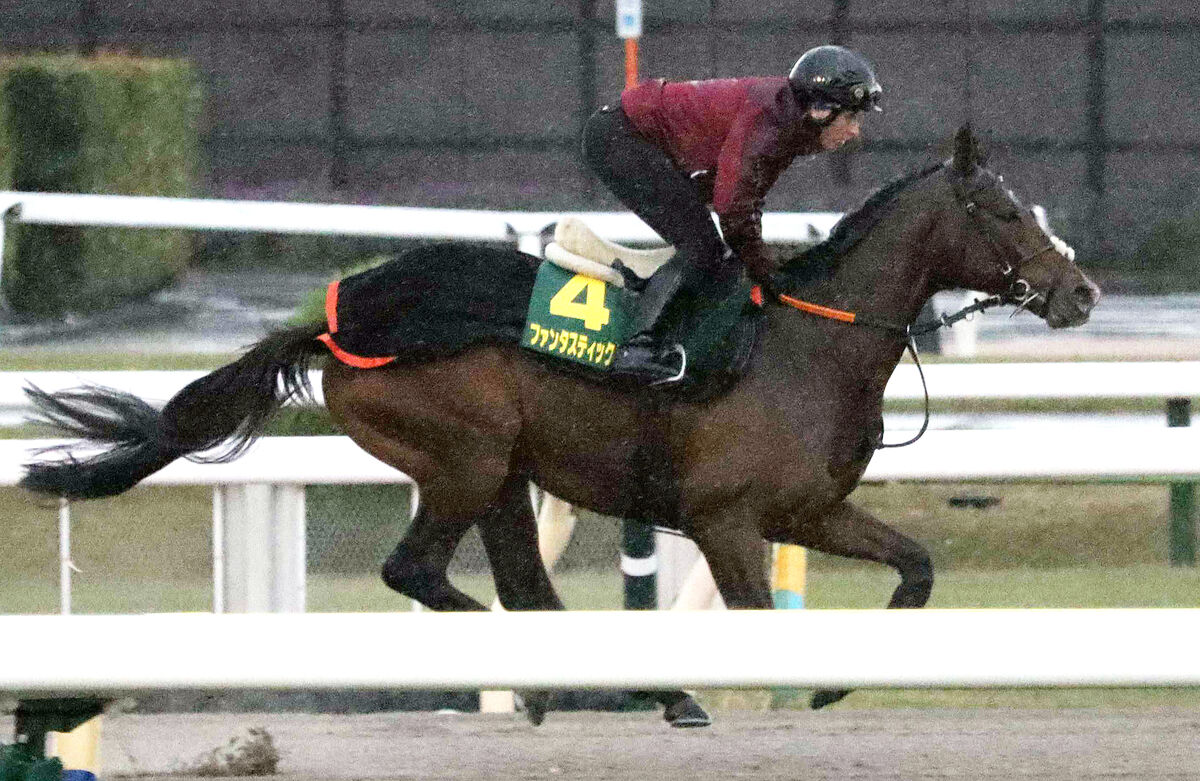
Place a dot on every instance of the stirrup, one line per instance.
(632, 280)
(675, 348)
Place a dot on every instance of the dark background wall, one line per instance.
(1090, 103)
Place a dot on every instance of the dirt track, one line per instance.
(871, 744)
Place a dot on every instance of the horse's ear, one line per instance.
(966, 150)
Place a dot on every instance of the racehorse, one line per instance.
(773, 458)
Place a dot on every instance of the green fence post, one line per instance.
(639, 565)
(1182, 533)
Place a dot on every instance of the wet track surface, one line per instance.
(981, 744)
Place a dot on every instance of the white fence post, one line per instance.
(264, 548)
(962, 340)
(65, 565)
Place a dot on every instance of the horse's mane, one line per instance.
(822, 259)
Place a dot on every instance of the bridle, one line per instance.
(1019, 293)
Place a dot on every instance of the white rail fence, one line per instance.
(1164, 455)
(526, 228)
(752, 649)
(1159, 380)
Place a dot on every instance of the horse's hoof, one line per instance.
(686, 713)
(536, 704)
(823, 697)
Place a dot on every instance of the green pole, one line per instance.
(639, 565)
(1182, 533)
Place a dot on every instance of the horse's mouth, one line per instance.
(1063, 308)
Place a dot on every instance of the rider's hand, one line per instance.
(761, 263)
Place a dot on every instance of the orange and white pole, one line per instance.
(631, 62)
(629, 28)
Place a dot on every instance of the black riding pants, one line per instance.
(649, 183)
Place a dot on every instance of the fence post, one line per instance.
(1182, 534)
(639, 565)
(264, 548)
(64, 556)
(789, 576)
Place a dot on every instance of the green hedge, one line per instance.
(5, 151)
(112, 124)
(1169, 257)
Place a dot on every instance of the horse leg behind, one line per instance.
(847, 530)
(510, 539)
(418, 567)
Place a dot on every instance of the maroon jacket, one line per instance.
(745, 130)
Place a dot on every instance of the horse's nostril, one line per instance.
(1086, 295)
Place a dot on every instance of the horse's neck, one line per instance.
(885, 277)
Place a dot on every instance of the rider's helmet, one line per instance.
(833, 77)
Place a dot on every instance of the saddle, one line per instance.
(585, 293)
(576, 247)
(573, 310)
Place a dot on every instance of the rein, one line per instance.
(908, 332)
(905, 331)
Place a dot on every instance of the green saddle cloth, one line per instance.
(584, 320)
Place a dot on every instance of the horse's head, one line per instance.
(1004, 250)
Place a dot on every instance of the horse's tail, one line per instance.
(229, 406)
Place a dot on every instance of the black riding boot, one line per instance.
(645, 356)
(651, 355)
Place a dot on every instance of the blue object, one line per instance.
(788, 600)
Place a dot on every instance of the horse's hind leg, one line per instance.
(510, 539)
(456, 445)
(852, 532)
(417, 568)
(509, 533)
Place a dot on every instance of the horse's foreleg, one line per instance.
(852, 532)
(510, 539)
(735, 553)
(849, 531)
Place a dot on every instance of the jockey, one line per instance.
(669, 150)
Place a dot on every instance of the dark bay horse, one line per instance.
(774, 458)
